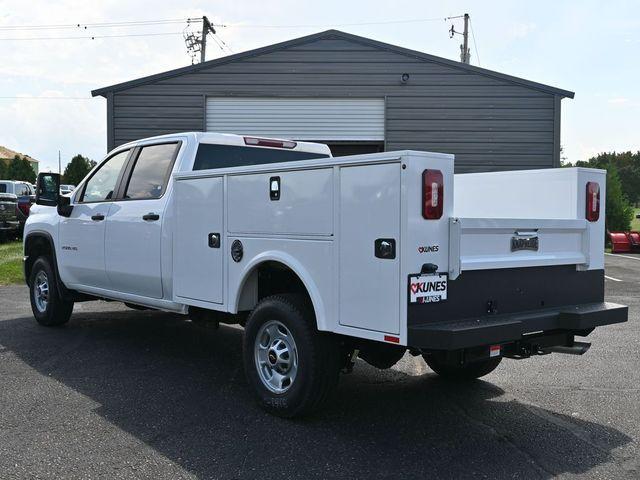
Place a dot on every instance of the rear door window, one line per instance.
(221, 156)
(151, 171)
(4, 188)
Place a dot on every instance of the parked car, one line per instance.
(25, 194)
(323, 259)
(9, 224)
(67, 189)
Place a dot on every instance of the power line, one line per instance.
(329, 25)
(473, 36)
(92, 37)
(60, 26)
(45, 98)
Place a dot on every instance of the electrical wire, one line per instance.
(329, 25)
(61, 26)
(92, 37)
(473, 36)
(45, 98)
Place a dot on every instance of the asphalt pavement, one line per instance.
(119, 393)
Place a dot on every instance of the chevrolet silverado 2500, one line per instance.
(322, 259)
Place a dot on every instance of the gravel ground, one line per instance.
(119, 393)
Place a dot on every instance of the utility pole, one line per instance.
(59, 164)
(206, 28)
(465, 54)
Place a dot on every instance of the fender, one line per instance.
(290, 262)
(27, 262)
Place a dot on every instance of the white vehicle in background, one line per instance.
(323, 259)
(66, 189)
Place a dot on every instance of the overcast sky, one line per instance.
(589, 47)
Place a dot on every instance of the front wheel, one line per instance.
(291, 367)
(48, 308)
(467, 371)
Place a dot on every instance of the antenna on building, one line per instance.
(465, 52)
(197, 42)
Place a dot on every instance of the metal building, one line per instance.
(356, 94)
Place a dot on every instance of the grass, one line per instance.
(11, 263)
(635, 223)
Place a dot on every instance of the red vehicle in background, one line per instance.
(25, 194)
(625, 242)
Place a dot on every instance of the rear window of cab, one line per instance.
(222, 156)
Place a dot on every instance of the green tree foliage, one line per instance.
(77, 169)
(619, 211)
(623, 185)
(628, 166)
(18, 168)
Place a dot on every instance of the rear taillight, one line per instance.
(432, 194)
(593, 202)
(268, 142)
(25, 208)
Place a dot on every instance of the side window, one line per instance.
(101, 185)
(151, 171)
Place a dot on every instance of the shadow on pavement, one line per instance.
(181, 390)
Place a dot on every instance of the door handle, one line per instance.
(151, 217)
(97, 218)
(385, 248)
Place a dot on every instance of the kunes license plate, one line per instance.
(427, 288)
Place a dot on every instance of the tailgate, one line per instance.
(496, 243)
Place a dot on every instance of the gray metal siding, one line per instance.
(488, 123)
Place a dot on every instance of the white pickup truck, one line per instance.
(323, 259)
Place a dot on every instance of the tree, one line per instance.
(77, 169)
(19, 168)
(619, 211)
(628, 167)
(3, 169)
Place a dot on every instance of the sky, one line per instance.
(589, 47)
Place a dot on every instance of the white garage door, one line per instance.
(298, 118)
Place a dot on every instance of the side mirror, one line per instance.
(48, 189)
(48, 193)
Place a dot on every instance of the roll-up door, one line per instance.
(328, 119)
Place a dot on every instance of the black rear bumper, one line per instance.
(506, 328)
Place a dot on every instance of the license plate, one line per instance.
(427, 288)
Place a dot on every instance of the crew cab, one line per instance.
(323, 259)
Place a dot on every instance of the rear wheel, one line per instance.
(467, 371)
(291, 367)
(47, 306)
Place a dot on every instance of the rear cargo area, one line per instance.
(525, 219)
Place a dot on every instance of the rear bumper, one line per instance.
(507, 328)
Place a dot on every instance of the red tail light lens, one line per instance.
(25, 207)
(268, 142)
(593, 202)
(432, 194)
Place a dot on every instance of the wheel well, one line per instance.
(36, 246)
(269, 278)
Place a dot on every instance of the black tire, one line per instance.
(318, 357)
(54, 311)
(467, 371)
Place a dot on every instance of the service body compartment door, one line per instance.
(198, 247)
(369, 247)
